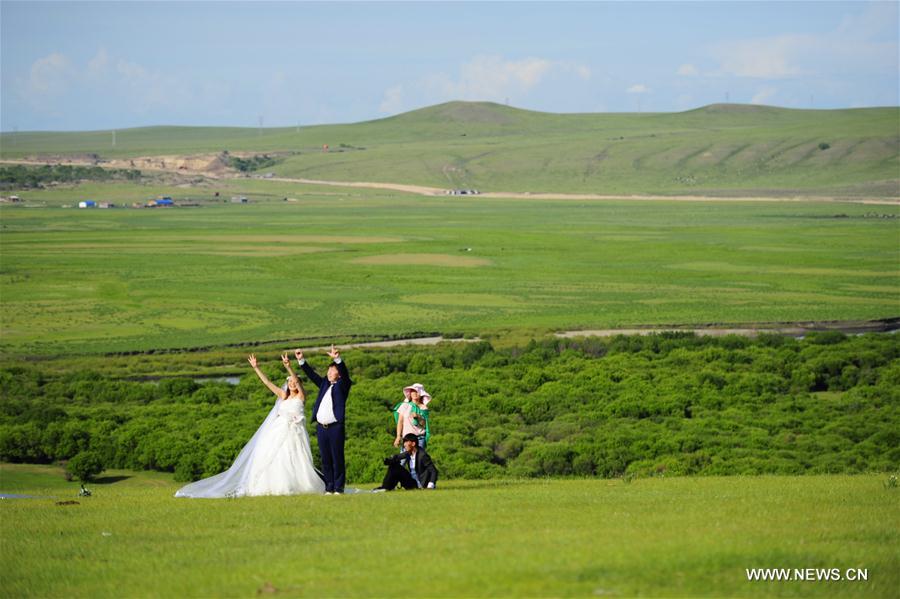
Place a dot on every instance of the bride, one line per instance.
(277, 460)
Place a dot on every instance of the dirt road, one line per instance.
(210, 166)
(796, 329)
(792, 329)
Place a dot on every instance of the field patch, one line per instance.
(217, 249)
(286, 239)
(422, 260)
(870, 288)
(476, 300)
(260, 252)
(784, 270)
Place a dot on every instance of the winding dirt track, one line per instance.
(436, 191)
(798, 329)
(154, 166)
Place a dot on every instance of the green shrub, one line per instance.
(85, 466)
(664, 404)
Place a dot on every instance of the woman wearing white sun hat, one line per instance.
(411, 415)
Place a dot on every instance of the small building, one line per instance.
(107, 205)
(239, 200)
(14, 199)
(87, 204)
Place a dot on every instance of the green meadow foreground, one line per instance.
(592, 537)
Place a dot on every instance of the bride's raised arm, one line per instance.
(294, 378)
(275, 389)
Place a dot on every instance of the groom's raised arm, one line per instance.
(345, 374)
(307, 369)
(342, 368)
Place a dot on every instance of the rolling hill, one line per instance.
(722, 149)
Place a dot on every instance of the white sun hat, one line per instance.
(423, 394)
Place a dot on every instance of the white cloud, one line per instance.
(99, 64)
(864, 42)
(392, 101)
(763, 95)
(765, 58)
(877, 18)
(146, 90)
(48, 81)
(491, 78)
(53, 79)
(49, 76)
(638, 88)
(582, 71)
(688, 70)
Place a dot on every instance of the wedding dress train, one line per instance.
(276, 461)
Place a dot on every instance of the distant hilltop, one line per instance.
(721, 149)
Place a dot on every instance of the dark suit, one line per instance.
(398, 471)
(331, 437)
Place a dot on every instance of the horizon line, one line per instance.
(507, 106)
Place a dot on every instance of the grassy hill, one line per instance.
(722, 149)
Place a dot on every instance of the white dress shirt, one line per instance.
(325, 415)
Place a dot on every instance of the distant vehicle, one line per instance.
(462, 192)
(87, 204)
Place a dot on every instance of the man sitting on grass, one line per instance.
(412, 468)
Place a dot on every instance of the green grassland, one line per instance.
(379, 263)
(715, 150)
(504, 538)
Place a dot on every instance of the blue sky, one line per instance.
(101, 65)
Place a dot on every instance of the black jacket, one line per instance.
(338, 394)
(426, 471)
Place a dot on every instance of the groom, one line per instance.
(328, 412)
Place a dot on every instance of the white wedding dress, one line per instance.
(276, 461)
